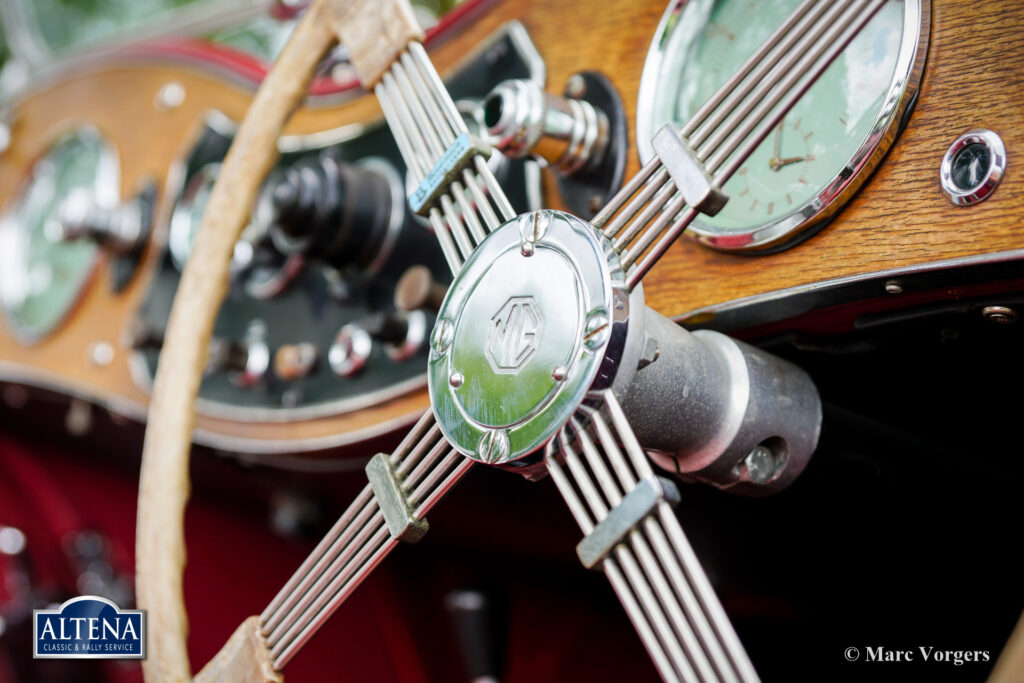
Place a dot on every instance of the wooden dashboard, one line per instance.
(973, 77)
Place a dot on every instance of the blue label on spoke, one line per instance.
(455, 158)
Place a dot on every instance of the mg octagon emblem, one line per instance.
(513, 335)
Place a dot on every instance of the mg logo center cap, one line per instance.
(521, 335)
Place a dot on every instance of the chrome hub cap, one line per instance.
(535, 319)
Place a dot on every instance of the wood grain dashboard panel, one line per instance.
(974, 77)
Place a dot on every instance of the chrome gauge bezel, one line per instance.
(106, 185)
(968, 196)
(783, 231)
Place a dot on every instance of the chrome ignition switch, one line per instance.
(523, 120)
(581, 134)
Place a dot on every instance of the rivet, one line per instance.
(101, 354)
(171, 95)
(559, 373)
(456, 379)
(893, 287)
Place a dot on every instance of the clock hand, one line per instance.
(775, 146)
(776, 163)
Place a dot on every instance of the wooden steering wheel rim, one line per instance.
(163, 477)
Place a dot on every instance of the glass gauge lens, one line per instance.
(41, 276)
(188, 213)
(834, 132)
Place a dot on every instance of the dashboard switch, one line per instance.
(295, 361)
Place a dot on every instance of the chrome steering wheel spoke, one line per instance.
(466, 201)
(425, 467)
(634, 537)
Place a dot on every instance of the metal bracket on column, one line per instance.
(394, 505)
(687, 172)
(458, 155)
(624, 517)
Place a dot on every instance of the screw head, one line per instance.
(493, 446)
(893, 287)
(596, 331)
(442, 335)
(171, 95)
(760, 463)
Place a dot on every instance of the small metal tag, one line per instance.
(694, 183)
(611, 531)
(458, 155)
(387, 489)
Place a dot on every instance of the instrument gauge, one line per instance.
(188, 214)
(824, 148)
(41, 274)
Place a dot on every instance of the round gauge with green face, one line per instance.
(41, 275)
(824, 147)
(188, 215)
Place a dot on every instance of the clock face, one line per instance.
(822, 144)
(41, 275)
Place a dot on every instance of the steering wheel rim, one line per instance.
(163, 479)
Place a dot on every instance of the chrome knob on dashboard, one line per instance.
(582, 134)
(121, 228)
(295, 361)
(522, 120)
(350, 350)
(247, 361)
(402, 334)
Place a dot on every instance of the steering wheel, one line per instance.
(544, 380)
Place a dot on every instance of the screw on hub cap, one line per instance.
(596, 331)
(441, 337)
(493, 446)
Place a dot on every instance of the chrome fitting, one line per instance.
(119, 229)
(521, 119)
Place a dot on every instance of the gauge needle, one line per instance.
(775, 145)
(775, 163)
